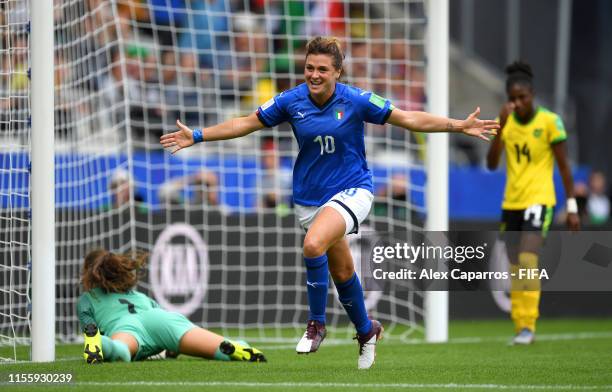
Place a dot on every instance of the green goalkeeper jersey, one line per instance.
(109, 310)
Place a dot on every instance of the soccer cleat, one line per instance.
(314, 335)
(367, 345)
(92, 349)
(238, 352)
(170, 354)
(525, 337)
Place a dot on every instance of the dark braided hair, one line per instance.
(111, 272)
(519, 72)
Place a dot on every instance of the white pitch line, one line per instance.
(336, 385)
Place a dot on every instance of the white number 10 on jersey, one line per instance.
(329, 147)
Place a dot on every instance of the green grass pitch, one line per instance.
(568, 355)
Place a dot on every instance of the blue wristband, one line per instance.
(197, 135)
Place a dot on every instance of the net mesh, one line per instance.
(14, 176)
(217, 218)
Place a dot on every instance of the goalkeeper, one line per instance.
(332, 185)
(121, 323)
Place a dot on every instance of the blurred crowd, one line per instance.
(14, 76)
(593, 201)
(145, 63)
(138, 65)
(135, 66)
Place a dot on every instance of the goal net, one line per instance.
(217, 219)
(14, 178)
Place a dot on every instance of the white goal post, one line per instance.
(42, 182)
(436, 302)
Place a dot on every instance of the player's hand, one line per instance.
(482, 129)
(573, 222)
(178, 140)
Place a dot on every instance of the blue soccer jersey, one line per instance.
(330, 138)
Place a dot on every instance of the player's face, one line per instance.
(522, 98)
(320, 75)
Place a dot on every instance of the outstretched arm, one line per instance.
(85, 311)
(425, 122)
(560, 151)
(230, 129)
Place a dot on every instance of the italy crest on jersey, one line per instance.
(339, 112)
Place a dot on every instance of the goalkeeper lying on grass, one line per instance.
(121, 323)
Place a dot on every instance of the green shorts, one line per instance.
(155, 330)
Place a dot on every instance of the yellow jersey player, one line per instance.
(533, 138)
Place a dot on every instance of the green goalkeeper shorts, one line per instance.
(155, 330)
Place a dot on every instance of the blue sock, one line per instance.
(350, 294)
(115, 349)
(317, 281)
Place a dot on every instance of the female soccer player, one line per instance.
(332, 185)
(531, 137)
(121, 323)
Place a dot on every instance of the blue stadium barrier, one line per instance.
(475, 193)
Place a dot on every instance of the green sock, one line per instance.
(115, 349)
(219, 356)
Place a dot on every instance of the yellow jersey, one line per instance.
(530, 159)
